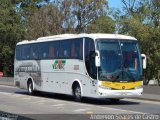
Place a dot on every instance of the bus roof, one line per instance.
(72, 36)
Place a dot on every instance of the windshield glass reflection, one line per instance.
(120, 60)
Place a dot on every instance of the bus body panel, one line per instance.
(58, 75)
(54, 80)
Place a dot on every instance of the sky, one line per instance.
(115, 4)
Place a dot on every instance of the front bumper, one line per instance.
(103, 93)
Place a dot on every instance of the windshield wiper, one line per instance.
(106, 77)
(111, 76)
(115, 77)
(130, 75)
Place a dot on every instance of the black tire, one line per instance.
(77, 93)
(30, 88)
(114, 100)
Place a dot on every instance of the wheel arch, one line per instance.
(77, 82)
(31, 79)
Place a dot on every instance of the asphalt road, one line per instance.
(16, 101)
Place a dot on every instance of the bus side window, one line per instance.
(53, 49)
(77, 48)
(73, 51)
(51, 52)
(44, 50)
(65, 49)
(25, 52)
(18, 52)
(34, 51)
(81, 49)
(89, 59)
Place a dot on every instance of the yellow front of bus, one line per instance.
(119, 73)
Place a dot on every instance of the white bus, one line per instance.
(82, 65)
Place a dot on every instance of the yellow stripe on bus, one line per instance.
(121, 85)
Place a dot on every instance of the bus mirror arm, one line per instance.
(97, 58)
(144, 61)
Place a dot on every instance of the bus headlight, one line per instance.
(104, 87)
(138, 87)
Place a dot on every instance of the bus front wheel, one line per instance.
(77, 93)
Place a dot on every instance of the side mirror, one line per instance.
(144, 61)
(97, 59)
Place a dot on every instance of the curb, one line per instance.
(9, 81)
(7, 84)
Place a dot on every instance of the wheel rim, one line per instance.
(30, 88)
(78, 92)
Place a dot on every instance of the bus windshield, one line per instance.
(120, 60)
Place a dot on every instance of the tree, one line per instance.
(102, 24)
(61, 16)
(86, 11)
(155, 12)
(141, 19)
(47, 21)
(11, 31)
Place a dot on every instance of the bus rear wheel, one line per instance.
(30, 88)
(77, 93)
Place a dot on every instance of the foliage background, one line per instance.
(30, 19)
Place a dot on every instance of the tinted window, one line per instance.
(25, 52)
(89, 47)
(53, 49)
(65, 49)
(89, 57)
(44, 50)
(77, 48)
(34, 51)
(18, 52)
